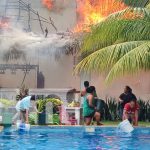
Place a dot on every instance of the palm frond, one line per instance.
(131, 63)
(135, 3)
(118, 27)
(104, 59)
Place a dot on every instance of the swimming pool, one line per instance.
(74, 138)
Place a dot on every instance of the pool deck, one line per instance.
(1, 128)
(76, 126)
(103, 126)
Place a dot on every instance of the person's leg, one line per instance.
(135, 120)
(16, 117)
(97, 116)
(87, 121)
(22, 116)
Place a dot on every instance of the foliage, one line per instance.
(6, 102)
(56, 119)
(74, 104)
(113, 108)
(136, 3)
(118, 45)
(144, 112)
(32, 118)
(42, 103)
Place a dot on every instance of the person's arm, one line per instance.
(136, 118)
(120, 99)
(90, 101)
(125, 115)
(95, 95)
(83, 92)
(35, 108)
(136, 115)
(125, 112)
(27, 116)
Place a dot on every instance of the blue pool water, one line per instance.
(74, 138)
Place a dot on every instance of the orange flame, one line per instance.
(91, 12)
(47, 3)
(4, 23)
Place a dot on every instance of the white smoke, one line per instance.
(54, 45)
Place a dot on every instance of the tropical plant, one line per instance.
(56, 119)
(118, 45)
(7, 102)
(144, 112)
(112, 110)
(32, 118)
(42, 103)
(136, 3)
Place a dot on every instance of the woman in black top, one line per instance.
(125, 97)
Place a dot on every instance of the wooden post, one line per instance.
(29, 18)
(52, 23)
(19, 12)
(40, 23)
(7, 1)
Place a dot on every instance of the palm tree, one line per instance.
(118, 45)
(136, 3)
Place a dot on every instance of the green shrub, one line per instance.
(42, 103)
(7, 102)
(112, 105)
(144, 112)
(112, 109)
(32, 118)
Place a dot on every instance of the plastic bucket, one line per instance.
(22, 126)
(125, 126)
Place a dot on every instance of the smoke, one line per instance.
(18, 44)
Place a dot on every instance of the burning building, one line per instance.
(24, 42)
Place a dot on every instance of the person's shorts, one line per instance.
(23, 115)
(90, 116)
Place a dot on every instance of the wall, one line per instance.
(58, 74)
(139, 83)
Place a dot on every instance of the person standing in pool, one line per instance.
(89, 110)
(125, 98)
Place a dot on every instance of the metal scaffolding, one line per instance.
(21, 11)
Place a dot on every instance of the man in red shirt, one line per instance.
(130, 112)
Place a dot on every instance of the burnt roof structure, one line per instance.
(21, 12)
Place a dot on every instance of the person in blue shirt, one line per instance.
(22, 108)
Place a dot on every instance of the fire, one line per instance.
(47, 3)
(4, 23)
(91, 12)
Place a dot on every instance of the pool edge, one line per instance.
(1, 128)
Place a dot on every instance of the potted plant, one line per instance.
(41, 105)
(6, 115)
